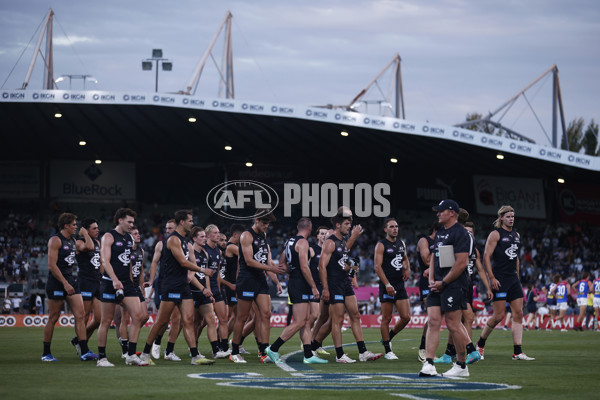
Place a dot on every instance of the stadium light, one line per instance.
(560, 180)
(157, 55)
(228, 148)
(393, 160)
(249, 164)
(500, 156)
(57, 115)
(98, 161)
(192, 119)
(344, 133)
(82, 142)
(84, 78)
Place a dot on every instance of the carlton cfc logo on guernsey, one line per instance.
(511, 252)
(390, 250)
(397, 262)
(65, 247)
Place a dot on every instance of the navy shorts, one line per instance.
(176, 294)
(299, 291)
(140, 294)
(510, 289)
(217, 295)
(156, 286)
(109, 293)
(320, 289)
(55, 289)
(248, 288)
(200, 299)
(452, 298)
(89, 288)
(337, 294)
(470, 294)
(400, 293)
(229, 296)
(424, 287)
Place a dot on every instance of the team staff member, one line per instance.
(178, 256)
(251, 284)
(89, 276)
(62, 286)
(337, 290)
(448, 285)
(393, 269)
(117, 285)
(502, 246)
(425, 247)
(468, 316)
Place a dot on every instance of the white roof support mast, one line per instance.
(226, 69)
(48, 58)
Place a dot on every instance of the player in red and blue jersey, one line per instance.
(562, 293)
(551, 302)
(597, 302)
(583, 287)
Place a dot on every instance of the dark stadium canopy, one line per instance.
(148, 134)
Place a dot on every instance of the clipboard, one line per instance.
(447, 258)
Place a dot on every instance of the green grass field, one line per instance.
(567, 364)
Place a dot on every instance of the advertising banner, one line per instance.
(84, 180)
(579, 203)
(526, 196)
(277, 321)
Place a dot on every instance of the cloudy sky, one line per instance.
(458, 56)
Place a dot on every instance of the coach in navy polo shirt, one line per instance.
(452, 245)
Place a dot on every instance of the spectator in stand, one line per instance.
(7, 308)
(39, 305)
(16, 304)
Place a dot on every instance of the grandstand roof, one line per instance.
(148, 127)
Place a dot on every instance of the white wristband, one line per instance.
(389, 285)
